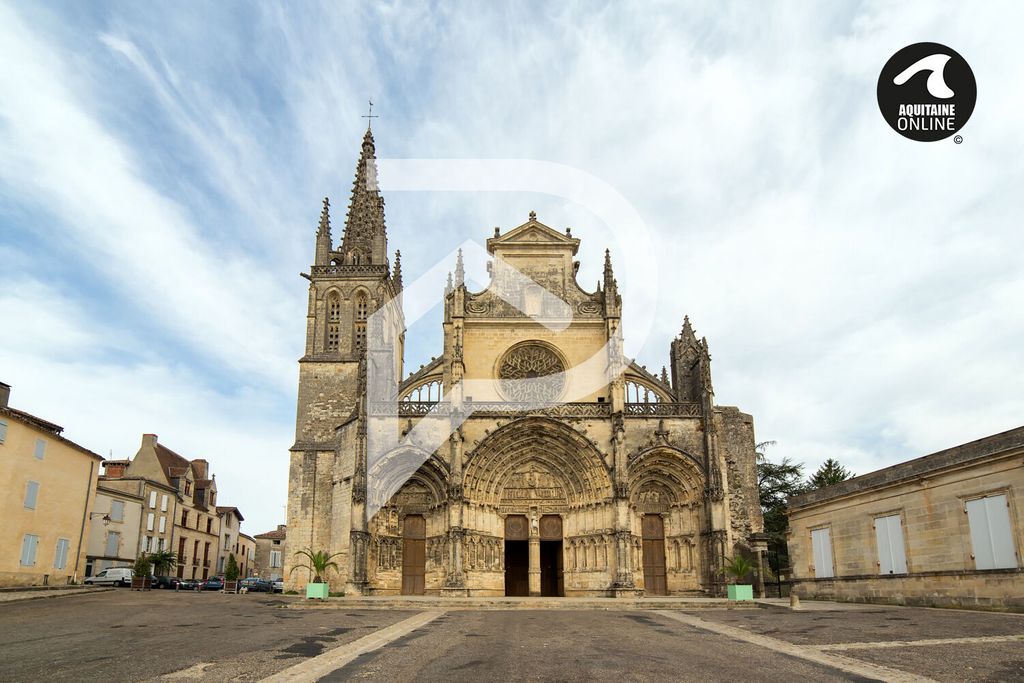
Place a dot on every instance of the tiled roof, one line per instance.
(221, 509)
(46, 426)
(173, 464)
(275, 535)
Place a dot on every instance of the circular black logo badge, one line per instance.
(926, 92)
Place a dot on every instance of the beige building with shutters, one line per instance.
(114, 529)
(49, 486)
(946, 529)
(270, 552)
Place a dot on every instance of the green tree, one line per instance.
(776, 482)
(162, 561)
(231, 568)
(830, 472)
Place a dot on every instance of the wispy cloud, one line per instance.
(162, 174)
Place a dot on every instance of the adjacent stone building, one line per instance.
(180, 505)
(115, 528)
(946, 529)
(530, 457)
(49, 486)
(270, 551)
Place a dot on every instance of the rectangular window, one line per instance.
(40, 449)
(147, 544)
(184, 517)
(149, 522)
(889, 538)
(28, 549)
(3, 431)
(152, 499)
(209, 522)
(113, 543)
(163, 524)
(821, 545)
(31, 493)
(60, 557)
(275, 558)
(163, 503)
(117, 511)
(991, 540)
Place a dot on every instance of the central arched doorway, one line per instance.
(517, 556)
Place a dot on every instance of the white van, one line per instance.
(115, 576)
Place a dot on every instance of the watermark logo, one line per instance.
(926, 92)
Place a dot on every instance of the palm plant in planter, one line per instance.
(317, 563)
(162, 561)
(738, 568)
(140, 572)
(231, 574)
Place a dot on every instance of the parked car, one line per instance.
(188, 584)
(214, 583)
(114, 576)
(165, 581)
(279, 586)
(254, 584)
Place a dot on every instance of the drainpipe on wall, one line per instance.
(85, 516)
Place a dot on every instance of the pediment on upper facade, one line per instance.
(533, 233)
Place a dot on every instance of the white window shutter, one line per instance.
(163, 503)
(163, 524)
(117, 510)
(991, 537)
(892, 558)
(821, 545)
(152, 499)
(40, 449)
(60, 557)
(31, 494)
(3, 431)
(28, 549)
(149, 522)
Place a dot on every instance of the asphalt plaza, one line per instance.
(132, 636)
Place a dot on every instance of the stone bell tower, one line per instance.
(347, 284)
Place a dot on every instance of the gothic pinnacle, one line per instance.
(325, 218)
(687, 333)
(460, 270)
(398, 269)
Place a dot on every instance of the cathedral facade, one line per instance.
(530, 457)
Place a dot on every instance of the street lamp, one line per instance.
(106, 517)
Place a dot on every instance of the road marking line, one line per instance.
(315, 668)
(914, 643)
(809, 653)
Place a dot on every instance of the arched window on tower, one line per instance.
(333, 321)
(359, 333)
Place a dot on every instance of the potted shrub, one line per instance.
(231, 574)
(317, 563)
(140, 572)
(738, 568)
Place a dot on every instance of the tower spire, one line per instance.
(323, 235)
(365, 239)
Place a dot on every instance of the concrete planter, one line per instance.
(741, 591)
(317, 591)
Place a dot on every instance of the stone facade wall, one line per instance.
(930, 502)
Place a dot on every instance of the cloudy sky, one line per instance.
(162, 167)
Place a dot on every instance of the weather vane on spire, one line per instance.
(369, 115)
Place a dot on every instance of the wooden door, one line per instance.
(414, 555)
(655, 582)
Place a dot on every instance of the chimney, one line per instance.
(282, 527)
(201, 468)
(114, 469)
(149, 440)
(5, 394)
